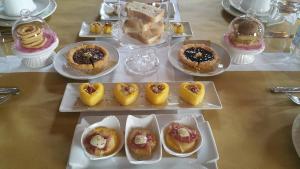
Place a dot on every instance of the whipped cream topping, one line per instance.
(183, 132)
(140, 139)
(98, 141)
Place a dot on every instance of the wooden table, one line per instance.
(252, 131)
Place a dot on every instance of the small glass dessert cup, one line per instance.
(244, 39)
(34, 41)
(142, 61)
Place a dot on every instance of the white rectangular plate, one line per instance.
(72, 103)
(187, 30)
(85, 32)
(206, 156)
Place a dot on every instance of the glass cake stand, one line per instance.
(142, 58)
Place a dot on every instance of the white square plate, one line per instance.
(187, 30)
(85, 32)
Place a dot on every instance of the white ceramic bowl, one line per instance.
(188, 121)
(38, 59)
(109, 122)
(148, 122)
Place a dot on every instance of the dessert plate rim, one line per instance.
(48, 11)
(42, 5)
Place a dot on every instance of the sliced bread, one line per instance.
(135, 25)
(147, 13)
(147, 38)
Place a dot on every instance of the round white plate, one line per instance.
(48, 11)
(236, 5)
(41, 6)
(62, 67)
(223, 64)
(296, 134)
(233, 11)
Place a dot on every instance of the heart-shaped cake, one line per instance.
(157, 93)
(192, 92)
(126, 93)
(91, 94)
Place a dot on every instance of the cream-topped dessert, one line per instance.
(101, 141)
(141, 143)
(181, 138)
(98, 141)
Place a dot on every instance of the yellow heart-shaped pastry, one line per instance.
(157, 93)
(126, 93)
(91, 94)
(192, 92)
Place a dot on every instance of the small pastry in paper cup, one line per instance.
(182, 137)
(142, 140)
(103, 139)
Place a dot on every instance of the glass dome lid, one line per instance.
(246, 32)
(247, 26)
(32, 34)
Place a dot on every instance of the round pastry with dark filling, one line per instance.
(199, 57)
(88, 58)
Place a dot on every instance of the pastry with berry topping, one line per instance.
(192, 92)
(91, 94)
(126, 93)
(181, 138)
(88, 58)
(101, 141)
(157, 93)
(141, 143)
(200, 57)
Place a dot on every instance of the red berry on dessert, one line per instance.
(181, 138)
(141, 143)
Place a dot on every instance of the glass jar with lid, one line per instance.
(244, 39)
(34, 40)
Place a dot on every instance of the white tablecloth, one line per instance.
(263, 62)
